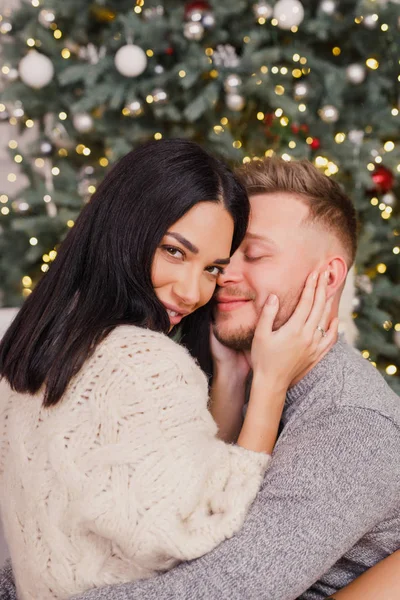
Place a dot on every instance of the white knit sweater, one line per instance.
(124, 477)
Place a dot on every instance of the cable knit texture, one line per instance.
(125, 477)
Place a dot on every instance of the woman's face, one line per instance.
(190, 257)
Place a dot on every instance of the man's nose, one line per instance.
(233, 273)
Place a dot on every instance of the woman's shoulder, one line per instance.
(134, 345)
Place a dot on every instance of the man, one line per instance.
(329, 507)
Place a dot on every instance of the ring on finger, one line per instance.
(321, 330)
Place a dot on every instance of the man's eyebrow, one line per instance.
(260, 238)
(192, 248)
(188, 245)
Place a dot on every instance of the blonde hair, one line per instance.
(329, 205)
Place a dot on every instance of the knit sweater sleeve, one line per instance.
(159, 484)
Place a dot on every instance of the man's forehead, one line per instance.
(277, 208)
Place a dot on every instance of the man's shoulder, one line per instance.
(360, 385)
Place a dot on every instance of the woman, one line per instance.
(110, 465)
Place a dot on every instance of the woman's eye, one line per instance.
(215, 271)
(172, 251)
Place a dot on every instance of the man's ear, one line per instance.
(337, 268)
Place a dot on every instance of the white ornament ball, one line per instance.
(232, 82)
(288, 13)
(355, 73)
(329, 113)
(301, 90)
(262, 10)
(36, 70)
(82, 122)
(193, 30)
(389, 199)
(328, 6)
(130, 60)
(235, 102)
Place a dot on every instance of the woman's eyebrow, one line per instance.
(194, 249)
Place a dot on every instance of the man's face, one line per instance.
(276, 256)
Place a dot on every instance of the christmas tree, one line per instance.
(317, 80)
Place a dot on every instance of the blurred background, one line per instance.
(83, 81)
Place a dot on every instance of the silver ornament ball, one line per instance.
(159, 69)
(18, 110)
(301, 90)
(46, 17)
(356, 136)
(160, 96)
(370, 21)
(355, 73)
(134, 108)
(83, 122)
(329, 113)
(328, 7)
(208, 20)
(193, 31)
(232, 82)
(389, 199)
(46, 148)
(262, 10)
(235, 102)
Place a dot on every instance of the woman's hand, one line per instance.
(286, 354)
(228, 362)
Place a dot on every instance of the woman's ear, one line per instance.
(337, 268)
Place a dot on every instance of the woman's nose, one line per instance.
(188, 290)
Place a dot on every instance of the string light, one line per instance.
(279, 90)
(70, 223)
(388, 146)
(218, 129)
(391, 370)
(33, 241)
(29, 123)
(158, 136)
(13, 144)
(372, 63)
(260, 116)
(297, 73)
(278, 112)
(340, 137)
(302, 107)
(11, 177)
(182, 73)
(336, 51)
(381, 268)
(57, 34)
(365, 354)
(384, 26)
(224, 121)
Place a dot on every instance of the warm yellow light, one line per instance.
(397, 327)
(11, 177)
(33, 241)
(286, 157)
(182, 73)
(149, 52)
(309, 140)
(214, 73)
(86, 151)
(261, 21)
(303, 60)
(274, 22)
(91, 189)
(296, 73)
(44, 268)
(224, 121)
(384, 26)
(284, 70)
(321, 161)
(30, 42)
(246, 159)
(149, 99)
(46, 258)
(218, 129)
(372, 63)
(5, 210)
(296, 57)
(52, 254)
(35, 3)
(158, 136)
(292, 144)
(365, 354)
(57, 34)
(62, 116)
(260, 116)
(381, 268)
(264, 69)
(103, 161)
(374, 201)
(370, 166)
(18, 158)
(395, 112)
(274, 70)
(340, 137)
(65, 53)
(237, 144)
(388, 146)
(294, 29)
(13, 144)
(284, 121)
(209, 51)
(387, 325)
(4, 198)
(246, 39)
(70, 223)
(26, 281)
(47, 198)
(336, 51)
(396, 250)
(55, 171)
(138, 10)
(302, 108)
(26, 292)
(391, 370)
(378, 159)
(278, 112)
(63, 152)
(29, 123)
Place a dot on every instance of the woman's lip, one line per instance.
(230, 305)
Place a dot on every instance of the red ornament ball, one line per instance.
(200, 5)
(295, 128)
(315, 144)
(383, 179)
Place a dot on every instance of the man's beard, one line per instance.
(241, 338)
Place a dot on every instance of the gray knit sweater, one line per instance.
(329, 507)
